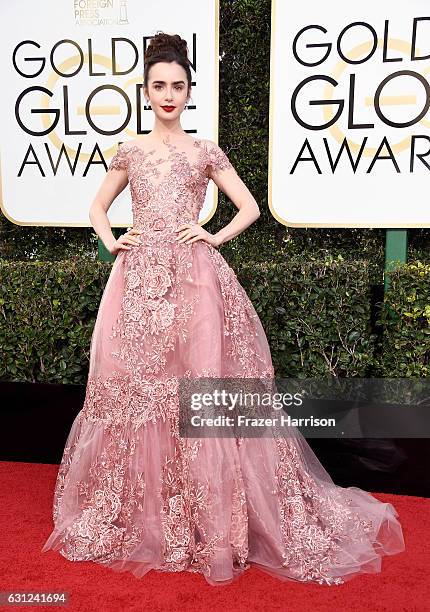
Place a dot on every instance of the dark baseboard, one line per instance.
(36, 420)
(37, 417)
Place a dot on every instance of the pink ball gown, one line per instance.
(131, 493)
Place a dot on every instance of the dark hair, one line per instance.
(166, 48)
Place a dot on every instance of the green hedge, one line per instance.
(317, 316)
(405, 318)
(48, 311)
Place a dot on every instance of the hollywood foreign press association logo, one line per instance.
(100, 12)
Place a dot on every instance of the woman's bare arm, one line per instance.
(112, 185)
(235, 189)
(224, 175)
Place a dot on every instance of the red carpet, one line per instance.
(26, 492)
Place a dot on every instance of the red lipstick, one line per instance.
(168, 109)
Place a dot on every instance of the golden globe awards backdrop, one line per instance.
(349, 113)
(72, 90)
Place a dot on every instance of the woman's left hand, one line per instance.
(189, 233)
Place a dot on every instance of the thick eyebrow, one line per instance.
(164, 82)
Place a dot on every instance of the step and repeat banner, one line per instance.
(349, 113)
(72, 90)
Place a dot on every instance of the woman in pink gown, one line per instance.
(131, 493)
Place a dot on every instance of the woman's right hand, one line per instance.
(124, 240)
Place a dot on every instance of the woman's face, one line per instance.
(167, 86)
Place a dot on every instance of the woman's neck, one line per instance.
(163, 131)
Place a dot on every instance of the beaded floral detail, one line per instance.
(315, 520)
(176, 194)
(105, 529)
(154, 309)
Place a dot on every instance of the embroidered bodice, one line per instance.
(168, 187)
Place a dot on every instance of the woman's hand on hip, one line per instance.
(124, 240)
(189, 233)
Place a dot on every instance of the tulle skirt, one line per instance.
(134, 495)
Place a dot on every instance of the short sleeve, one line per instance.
(217, 159)
(119, 160)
